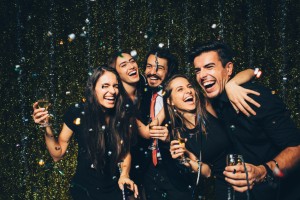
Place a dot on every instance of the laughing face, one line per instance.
(210, 73)
(182, 96)
(155, 76)
(127, 68)
(107, 90)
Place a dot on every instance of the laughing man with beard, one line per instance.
(160, 64)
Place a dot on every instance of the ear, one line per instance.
(168, 102)
(229, 68)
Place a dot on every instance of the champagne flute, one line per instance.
(181, 142)
(153, 145)
(231, 160)
(43, 102)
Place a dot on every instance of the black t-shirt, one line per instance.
(214, 145)
(87, 178)
(262, 137)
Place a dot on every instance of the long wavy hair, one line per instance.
(176, 118)
(104, 139)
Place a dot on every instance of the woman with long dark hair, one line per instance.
(104, 127)
(206, 141)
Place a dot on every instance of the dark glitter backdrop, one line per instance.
(38, 49)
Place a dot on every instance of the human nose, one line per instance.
(153, 70)
(112, 90)
(203, 74)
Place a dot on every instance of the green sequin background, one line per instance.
(35, 52)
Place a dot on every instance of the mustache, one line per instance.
(153, 75)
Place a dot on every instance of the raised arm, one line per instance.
(238, 95)
(57, 148)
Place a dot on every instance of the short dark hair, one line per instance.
(165, 54)
(225, 53)
(112, 59)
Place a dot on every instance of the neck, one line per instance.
(130, 89)
(190, 119)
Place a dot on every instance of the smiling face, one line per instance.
(182, 95)
(156, 76)
(106, 90)
(210, 73)
(127, 69)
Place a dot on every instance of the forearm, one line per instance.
(286, 159)
(52, 145)
(243, 76)
(125, 166)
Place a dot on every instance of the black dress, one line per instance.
(89, 183)
(215, 145)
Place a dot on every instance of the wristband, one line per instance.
(269, 176)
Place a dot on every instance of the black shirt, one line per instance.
(86, 177)
(215, 145)
(262, 137)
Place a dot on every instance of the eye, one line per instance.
(116, 86)
(197, 70)
(190, 86)
(132, 61)
(104, 86)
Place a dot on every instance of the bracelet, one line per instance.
(276, 163)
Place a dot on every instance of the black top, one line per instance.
(262, 137)
(215, 145)
(96, 182)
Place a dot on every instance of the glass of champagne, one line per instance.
(153, 145)
(43, 102)
(181, 142)
(231, 160)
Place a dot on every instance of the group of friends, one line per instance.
(161, 136)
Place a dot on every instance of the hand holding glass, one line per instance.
(181, 142)
(43, 102)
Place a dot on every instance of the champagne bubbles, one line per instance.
(77, 105)
(87, 21)
(71, 37)
(92, 166)
(133, 53)
(145, 36)
(213, 26)
(136, 166)
(114, 178)
(91, 130)
(161, 45)
(103, 127)
(68, 92)
(109, 153)
(82, 112)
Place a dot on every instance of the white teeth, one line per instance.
(188, 99)
(153, 78)
(132, 73)
(208, 83)
(110, 98)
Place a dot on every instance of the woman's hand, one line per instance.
(159, 132)
(238, 97)
(124, 180)
(176, 149)
(39, 115)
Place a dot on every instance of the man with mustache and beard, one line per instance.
(268, 141)
(160, 64)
